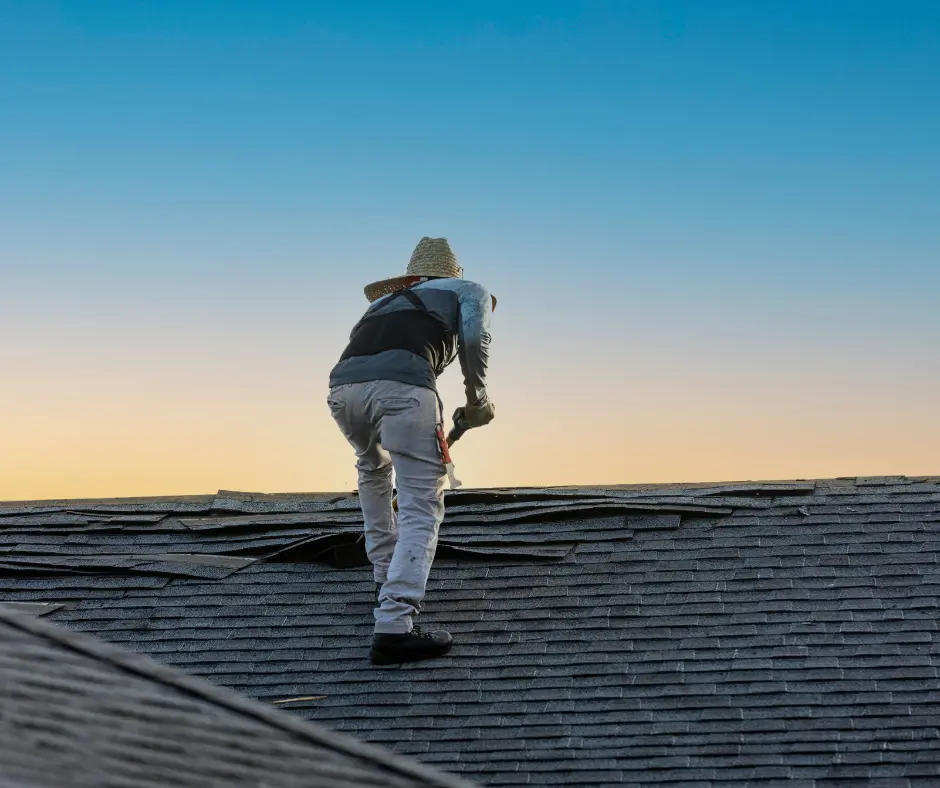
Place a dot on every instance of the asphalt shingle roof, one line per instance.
(78, 712)
(702, 636)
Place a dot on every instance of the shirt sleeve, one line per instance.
(473, 339)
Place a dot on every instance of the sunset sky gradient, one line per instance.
(713, 228)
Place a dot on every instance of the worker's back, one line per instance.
(411, 336)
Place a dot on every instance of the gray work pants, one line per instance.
(393, 425)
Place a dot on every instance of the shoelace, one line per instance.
(416, 630)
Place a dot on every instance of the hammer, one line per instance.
(456, 432)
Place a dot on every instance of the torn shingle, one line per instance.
(191, 504)
(31, 608)
(323, 518)
(182, 565)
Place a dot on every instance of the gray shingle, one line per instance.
(80, 713)
(766, 632)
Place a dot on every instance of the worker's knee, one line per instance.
(375, 472)
(425, 504)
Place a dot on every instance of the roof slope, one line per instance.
(687, 636)
(76, 712)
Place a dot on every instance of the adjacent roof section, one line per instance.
(77, 713)
(686, 636)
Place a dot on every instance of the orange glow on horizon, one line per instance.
(81, 438)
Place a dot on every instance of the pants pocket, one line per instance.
(400, 425)
(397, 405)
(340, 414)
(408, 427)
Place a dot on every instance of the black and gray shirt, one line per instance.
(412, 337)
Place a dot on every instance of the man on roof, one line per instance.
(383, 396)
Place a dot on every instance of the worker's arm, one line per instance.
(473, 339)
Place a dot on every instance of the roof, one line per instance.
(703, 636)
(78, 712)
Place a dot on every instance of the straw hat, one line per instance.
(432, 257)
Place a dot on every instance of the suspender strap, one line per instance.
(415, 301)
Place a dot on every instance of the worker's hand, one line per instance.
(475, 415)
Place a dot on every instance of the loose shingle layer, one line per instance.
(696, 637)
(79, 713)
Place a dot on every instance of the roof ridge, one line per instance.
(334, 497)
(145, 667)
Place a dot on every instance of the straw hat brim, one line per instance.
(386, 287)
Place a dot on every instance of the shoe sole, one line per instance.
(380, 658)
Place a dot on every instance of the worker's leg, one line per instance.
(408, 427)
(351, 406)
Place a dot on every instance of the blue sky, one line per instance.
(651, 127)
(742, 187)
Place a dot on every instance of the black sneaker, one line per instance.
(388, 649)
